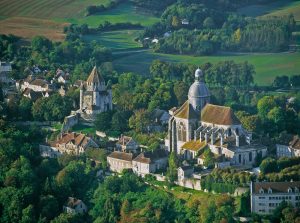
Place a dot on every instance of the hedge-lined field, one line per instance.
(267, 66)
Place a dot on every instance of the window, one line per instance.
(269, 191)
(240, 158)
(290, 190)
(261, 191)
(250, 157)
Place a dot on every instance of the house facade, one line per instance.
(127, 144)
(291, 149)
(267, 196)
(75, 206)
(118, 161)
(150, 162)
(70, 143)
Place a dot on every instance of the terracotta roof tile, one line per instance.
(77, 139)
(219, 115)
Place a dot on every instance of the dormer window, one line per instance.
(269, 191)
(290, 190)
(296, 190)
(261, 191)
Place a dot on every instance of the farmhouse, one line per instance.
(75, 206)
(127, 144)
(118, 161)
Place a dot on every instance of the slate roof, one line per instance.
(124, 140)
(121, 156)
(186, 111)
(32, 94)
(150, 156)
(94, 76)
(219, 115)
(277, 187)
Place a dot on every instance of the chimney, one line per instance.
(212, 137)
(237, 140)
(206, 138)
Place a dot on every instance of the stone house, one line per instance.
(159, 120)
(289, 149)
(150, 162)
(267, 196)
(118, 161)
(75, 206)
(70, 143)
(127, 144)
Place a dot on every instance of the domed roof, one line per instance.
(198, 88)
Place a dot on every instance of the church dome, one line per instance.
(198, 94)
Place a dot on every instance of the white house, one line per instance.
(118, 161)
(267, 196)
(150, 162)
(75, 206)
(291, 149)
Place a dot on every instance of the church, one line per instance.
(95, 96)
(197, 125)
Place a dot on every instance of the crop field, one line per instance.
(276, 8)
(267, 66)
(47, 9)
(28, 18)
(28, 28)
(125, 12)
(116, 40)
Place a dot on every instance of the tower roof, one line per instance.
(95, 77)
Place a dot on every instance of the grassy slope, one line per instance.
(116, 40)
(123, 13)
(292, 8)
(267, 66)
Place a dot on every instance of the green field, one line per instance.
(276, 8)
(267, 66)
(122, 13)
(116, 40)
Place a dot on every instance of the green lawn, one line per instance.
(123, 13)
(84, 129)
(267, 66)
(116, 40)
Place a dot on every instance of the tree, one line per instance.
(139, 120)
(180, 90)
(175, 21)
(48, 207)
(28, 215)
(103, 121)
(208, 158)
(268, 165)
(172, 168)
(209, 23)
(264, 105)
(25, 108)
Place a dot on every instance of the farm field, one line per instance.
(267, 66)
(27, 18)
(28, 28)
(116, 40)
(276, 8)
(122, 13)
